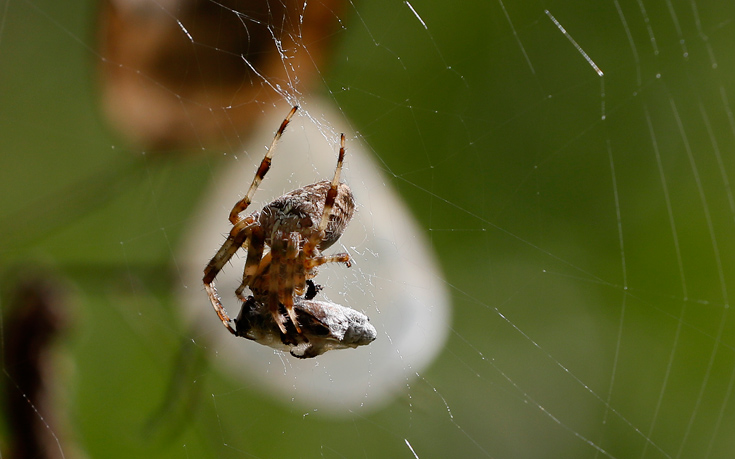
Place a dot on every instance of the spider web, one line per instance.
(568, 166)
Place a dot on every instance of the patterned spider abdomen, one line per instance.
(300, 211)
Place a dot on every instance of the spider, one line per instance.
(296, 228)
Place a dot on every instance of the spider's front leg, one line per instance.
(265, 165)
(289, 278)
(284, 252)
(254, 263)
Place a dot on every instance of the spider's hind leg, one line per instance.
(284, 251)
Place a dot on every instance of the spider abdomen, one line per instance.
(300, 211)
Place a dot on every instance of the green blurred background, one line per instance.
(589, 259)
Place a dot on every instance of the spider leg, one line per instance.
(252, 263)
(332, 193)
(273, 308)
(265, 164)
(299, 276)
(317, 236)
(237, 238)
(218, 308)
(320, 260)
(264, 264)
(286, 281)
(278, 250)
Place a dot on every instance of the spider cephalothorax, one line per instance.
(284, 243)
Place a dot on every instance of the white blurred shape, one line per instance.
(394, 280)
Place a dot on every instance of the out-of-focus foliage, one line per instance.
(590, 259)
